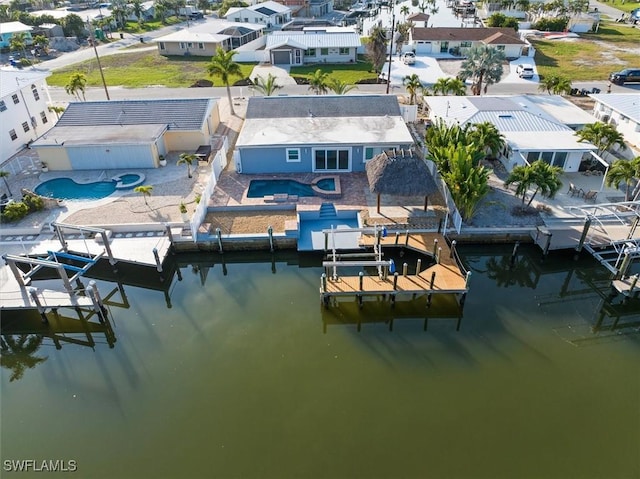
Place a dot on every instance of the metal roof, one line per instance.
(12, 80)
(322, 106)
(178, 114)
(316, 39)
(14, 27)
(627, 104)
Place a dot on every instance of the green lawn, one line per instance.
(142, 69)
(592, 56)
(350, 73)
(623, 5)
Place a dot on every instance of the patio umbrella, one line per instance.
(400, 173)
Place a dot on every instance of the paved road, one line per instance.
(58, 95)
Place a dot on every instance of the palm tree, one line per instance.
(187, 159)
(4, 174)
(413, 85)
(339, 87)
(144, 190)
(602, 135)
(543, 176)
(56, 109)
(318, 82)
(487, 137)
(483, 66)
(467, 182)
(555, 84)
(377, 47)
(222, 65)
(267, 87)
(449, 85)
(623, 171)
(18, 42)
(76, 85)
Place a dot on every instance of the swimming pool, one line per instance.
(67, 189)
(261, 188)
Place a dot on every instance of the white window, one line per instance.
(331, 160)
(293, 155)
(3, 106)
(12, 134)
(43, 117)
(162, 47)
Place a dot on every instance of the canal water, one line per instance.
(235, 370)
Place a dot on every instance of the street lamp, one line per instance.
(393, 27)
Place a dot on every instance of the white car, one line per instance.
(524, 70)
(409, 58)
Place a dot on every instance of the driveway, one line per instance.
(281, 72)
(430, 69)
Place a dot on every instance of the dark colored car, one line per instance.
(628, 75)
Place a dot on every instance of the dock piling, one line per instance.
(514, 253)
(33, 292)
(270, 233)
(219, 235)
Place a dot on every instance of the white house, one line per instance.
(204, 39)
(271, 14)
(621, 110)
(24, 115)
(314, 45)
(532, 130)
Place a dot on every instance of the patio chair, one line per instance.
(574, 190)
(591, 195)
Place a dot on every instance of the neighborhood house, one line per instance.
(531, 132)
(204, 40)
(302, 134)
(313, 45)
(456, 41)
(24, 113)
(126, 134)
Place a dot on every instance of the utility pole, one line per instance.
(393, 27)
(93, 42)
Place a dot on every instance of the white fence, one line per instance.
(451, 206)
(217, 165)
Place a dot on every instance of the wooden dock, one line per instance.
(446, 276)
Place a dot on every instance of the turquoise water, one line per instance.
(260, 188)
(67, 189)
(233, 369)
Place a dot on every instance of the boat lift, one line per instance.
(383, 266)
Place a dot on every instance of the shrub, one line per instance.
(34, 203)
(15, 211)
(551, 24)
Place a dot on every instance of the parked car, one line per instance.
(409, 58)
(524, 70)
(628, 75)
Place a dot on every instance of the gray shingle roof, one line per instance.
(178, 114)
(322, 106)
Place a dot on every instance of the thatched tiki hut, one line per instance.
(400, 173)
